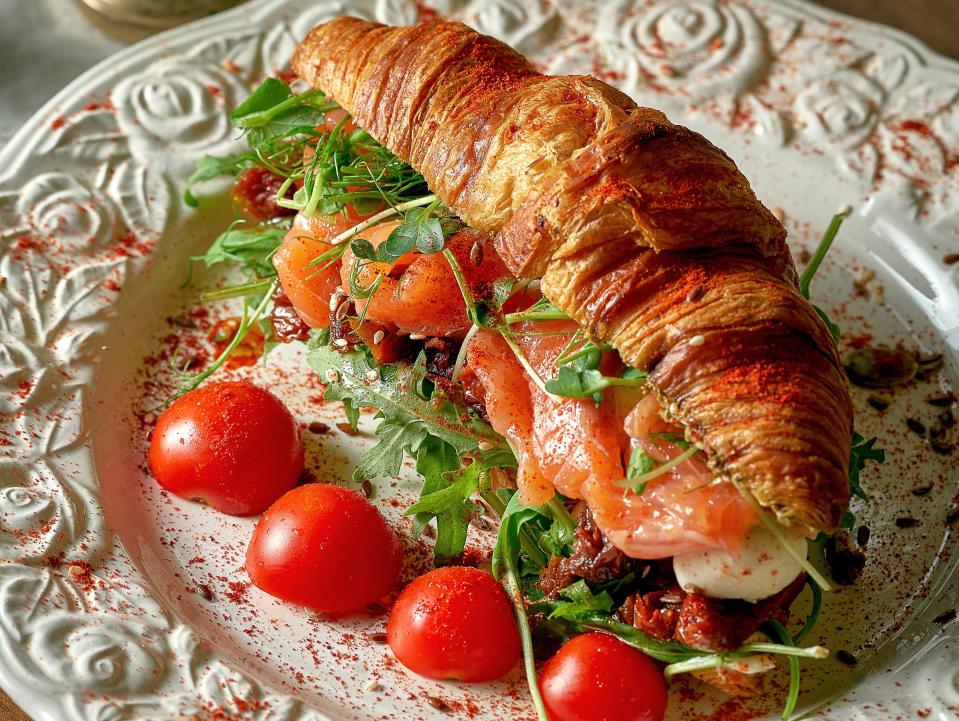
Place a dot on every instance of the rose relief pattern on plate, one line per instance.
(89, 189)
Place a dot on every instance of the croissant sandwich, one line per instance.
(642, 231)
(542, 286)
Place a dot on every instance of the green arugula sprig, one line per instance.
(642, 467)
(250, 249)
(346, 168)
(581, 607)
(418, 420)
(816, 260)
(575, 381)
(409, 408)
(860, 453)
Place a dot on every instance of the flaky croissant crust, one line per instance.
(641, 230)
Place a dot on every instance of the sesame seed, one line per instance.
(341, 342)
(695, 293)
(378, 337)
(476, 254)
(335, 300)
(332, 375)
(342, 309)
(373, 685)
(76, 571)
(697, 340)
(372, 375)
(417, 336)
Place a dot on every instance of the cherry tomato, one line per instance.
(455, 623)
(324, 547)
(230, 444)
(597, 677)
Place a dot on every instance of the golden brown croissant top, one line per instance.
(642, 230)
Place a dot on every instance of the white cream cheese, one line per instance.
(762, 568)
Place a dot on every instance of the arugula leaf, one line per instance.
(410, 415)
(295, 121)
(269, 94)
(573, 382)
(834, 330)
(640, 463)
(250, 248)
(447, 492)
(581, 602)
(448, 502)
(506, 554)
(862, 451)
(362, 248)
(420, 230)
(209, 167)
(352, 414)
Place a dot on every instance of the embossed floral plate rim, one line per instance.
(125, 655)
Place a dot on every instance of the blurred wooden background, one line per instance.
(935, 22)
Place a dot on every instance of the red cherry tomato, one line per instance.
(230, 444)
(324, 547)
(597, 677)
(454, 623)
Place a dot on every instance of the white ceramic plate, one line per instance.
(119, 602)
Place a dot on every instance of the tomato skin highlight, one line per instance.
(324, 547)
(231, 444)
(597, 677)
(455, 623)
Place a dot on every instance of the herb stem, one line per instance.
(813, 613)
(262, 117)
(776, 629)
(816, 652)
(641, 481)
(527, 366)
(535, 315)
(246, 322)
(238, 291)
(381, 216)
(697, 663)
(463, 284)
(820, 253)
(461, 355)
(777, 531)
(526, 638)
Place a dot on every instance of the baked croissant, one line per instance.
(641, 230)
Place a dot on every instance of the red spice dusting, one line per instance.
(25, 387)
(79, 571)
(211, 712)
(916, 126)
(214, 90)
(237, 592)
(58, 123)
(91, 106)
(287, 76)
(860, 341)
(112, 285)
(426, 14)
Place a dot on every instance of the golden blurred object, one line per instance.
(154, 15)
